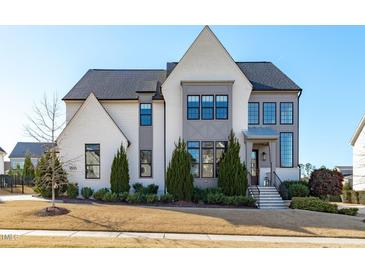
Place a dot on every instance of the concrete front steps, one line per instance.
(269, 198)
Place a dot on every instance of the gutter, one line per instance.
(164, 144)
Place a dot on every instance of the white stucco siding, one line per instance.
(71, 108)
(359, 162)
(2, 163)
(158, 145)
(206, 60)
(91, 125)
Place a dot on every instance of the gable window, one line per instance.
(145, 163)
(193, 105)
(207, 107)
(207, 159)
(92, 161)
(253, 113)
(286, 113)
(145, 112)
(286, 149)
(194, 150)
(221, 107)
(269, 113)
(220, 148)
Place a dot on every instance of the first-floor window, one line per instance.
(220, 148)
(207, 159)
(286, 149)
(194, 150)
(92, 161)
(145, 163)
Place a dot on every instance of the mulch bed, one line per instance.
(52, 211)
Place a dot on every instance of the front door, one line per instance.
(255, 167)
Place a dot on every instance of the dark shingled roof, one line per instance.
(1, 150)
(34, 148)
(116, 84)
(125, 84)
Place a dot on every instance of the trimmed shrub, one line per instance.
(198, 195)
(87, 192)
(347, 186)
(136, 198)
(361, 197)
(313, 204)
(179, 180)
(348, 211)
(298, 190)
(110, 197)
(99, 194)
(166, 198)
(123, 196)
(119, 176)
(138, 188)
(354, 197)
(215, 198)
(325, 182)
(152, 189)
(334, 198)
(151, 198)
(232, 177)
(72, 191)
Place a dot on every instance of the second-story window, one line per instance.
(221, 107)
(207, 107)
(145, 113)
(286, 113)
(269, 113)
(253, 113)
(193, 105)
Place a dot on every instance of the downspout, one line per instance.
(164, 143)
(300, 94)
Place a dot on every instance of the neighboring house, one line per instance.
(35, 149)
(2, 163)
(200, 99)
(358, 157)
(347, 172)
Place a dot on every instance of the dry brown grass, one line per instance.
(60, 242)
(105, 217)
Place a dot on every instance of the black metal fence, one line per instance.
(15, 184)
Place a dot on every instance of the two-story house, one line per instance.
(201, 99)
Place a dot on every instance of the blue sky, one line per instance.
(326, 61)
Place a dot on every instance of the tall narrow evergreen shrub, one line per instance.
(119, 177)
(28, 168)
(232, 177)
(179, 180)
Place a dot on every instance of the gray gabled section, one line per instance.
(36, 149)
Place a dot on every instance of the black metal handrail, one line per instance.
(280, 187)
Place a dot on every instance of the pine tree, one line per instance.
(28, 169)
(232, 177)
(44, 173)
(119, 177)
(179, 180)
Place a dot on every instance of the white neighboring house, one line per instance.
(200, 99)
(18, 154)
(358, 156)
(2, 164)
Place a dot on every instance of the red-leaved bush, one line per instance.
(325, 182)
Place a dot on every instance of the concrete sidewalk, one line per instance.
(20, 197)
(177, 236)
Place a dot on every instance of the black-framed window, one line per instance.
(193, 107)
(286, 113)
(269, 113)
(286, 149)
(207, 107)
(253, 113)
(220, 148)
(221, 107)
(145, 113)
(194, 150)
(207, 159)
(145, 163)
(92, 161)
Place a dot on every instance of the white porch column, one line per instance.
(272, 147)
(249, 145)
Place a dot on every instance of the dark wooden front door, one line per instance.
(255, 167)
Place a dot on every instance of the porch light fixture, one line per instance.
(264, 156)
